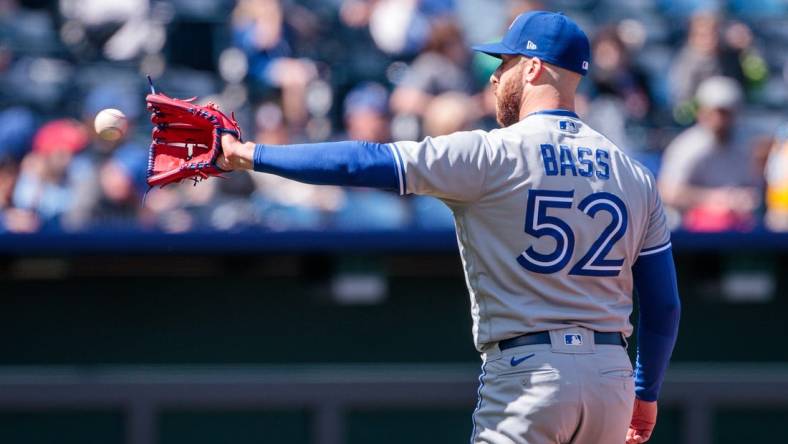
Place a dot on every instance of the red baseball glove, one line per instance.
(186, 139)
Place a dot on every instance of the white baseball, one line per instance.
(111, 124)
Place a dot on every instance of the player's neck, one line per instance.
(546, 98)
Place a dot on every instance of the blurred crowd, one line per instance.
(695, 89)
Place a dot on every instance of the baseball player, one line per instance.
(556, 226)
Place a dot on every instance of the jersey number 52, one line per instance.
(538, 224)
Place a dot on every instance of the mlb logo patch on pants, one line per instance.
(573, 339)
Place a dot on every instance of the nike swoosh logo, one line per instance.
(516, 362)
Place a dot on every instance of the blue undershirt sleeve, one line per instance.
(660, 309)
(350, 163)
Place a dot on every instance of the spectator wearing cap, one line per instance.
(366, 113)
(366, 118)
(121, 183)
(44, 185)
(708, 172)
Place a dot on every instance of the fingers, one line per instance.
(223, 163)
(228, 139)
(228, 143)
(635, 436)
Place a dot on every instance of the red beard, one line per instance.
(508, 103)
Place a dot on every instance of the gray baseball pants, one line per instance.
(560, 393)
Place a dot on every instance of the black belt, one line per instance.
(543, 337)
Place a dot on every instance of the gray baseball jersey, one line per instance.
(550, 217)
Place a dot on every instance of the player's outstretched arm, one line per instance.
(660, 308)
(348, 163)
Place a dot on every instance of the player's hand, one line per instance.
(644, 417)
(235, 154)
(228, 143)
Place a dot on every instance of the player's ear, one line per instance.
(533, 69)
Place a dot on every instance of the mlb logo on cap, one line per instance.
(573, 339)
(553, 38)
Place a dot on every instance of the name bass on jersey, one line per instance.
(575, 161)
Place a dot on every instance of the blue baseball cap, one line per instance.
(551, 37)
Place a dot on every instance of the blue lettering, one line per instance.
(602, 157)
(588, 171)
(548, 157)
(567, 161)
